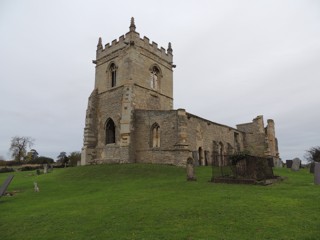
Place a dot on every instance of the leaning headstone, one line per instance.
(296, 164)
(289, 163)
(312, 167)
(190, 170)
(5, 185)
(45, 168)
(317, 173)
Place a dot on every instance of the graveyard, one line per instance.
(149, 201)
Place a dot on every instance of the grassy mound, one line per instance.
(139, 201)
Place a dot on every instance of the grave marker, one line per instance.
(312, 167)
(317, 173)
(190, 170)
(289, 163)
(5, 185)
(296, 164)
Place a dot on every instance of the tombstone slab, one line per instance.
(195, 157)
(296, 164)
(5, 185)
(289, 163)
(278, 163)
(317, 173)
(190, 170)
(312, 167)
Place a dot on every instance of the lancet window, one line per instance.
(155, 135)
(113, 72)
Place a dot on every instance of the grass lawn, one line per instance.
(144, 201)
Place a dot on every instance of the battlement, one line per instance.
(132, 39)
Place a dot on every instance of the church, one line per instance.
(130, 116)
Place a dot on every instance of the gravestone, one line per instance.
(278, 163)
(312, 167)
(5, 185)
(36, 188)
(45, 168)
(317, 173)
(289, 163)
(190, 170)
(296, 162)
(196, 158)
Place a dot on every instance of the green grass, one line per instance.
(140, 201)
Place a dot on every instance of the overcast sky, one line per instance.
(235, 60)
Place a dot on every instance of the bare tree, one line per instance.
(313, 154)
(18, 147)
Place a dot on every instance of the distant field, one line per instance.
(140, 201)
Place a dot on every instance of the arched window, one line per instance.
(110, 131)
(154, 78)
(113, 72)
(155, 135)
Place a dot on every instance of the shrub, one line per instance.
(236, 157)
(6, 169)
(29, 168)
(41, 160)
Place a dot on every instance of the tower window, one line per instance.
(113, 71)
(155, 135)
(110, 131)
(154, 79)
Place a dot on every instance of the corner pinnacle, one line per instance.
(132, 25)
(99, 46)
(169, 50)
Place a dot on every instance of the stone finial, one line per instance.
(132, 25)
(169, 50)
(99, 46)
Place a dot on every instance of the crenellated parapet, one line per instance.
(132, 39)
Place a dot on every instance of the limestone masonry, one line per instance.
(130, 116)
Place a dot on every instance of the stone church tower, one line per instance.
(130, 116)
(131, 73)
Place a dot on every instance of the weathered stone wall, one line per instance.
(168, 152)
(149, 99)
(271, 137)
(255, 137)
(109, 107)
(204, 137)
